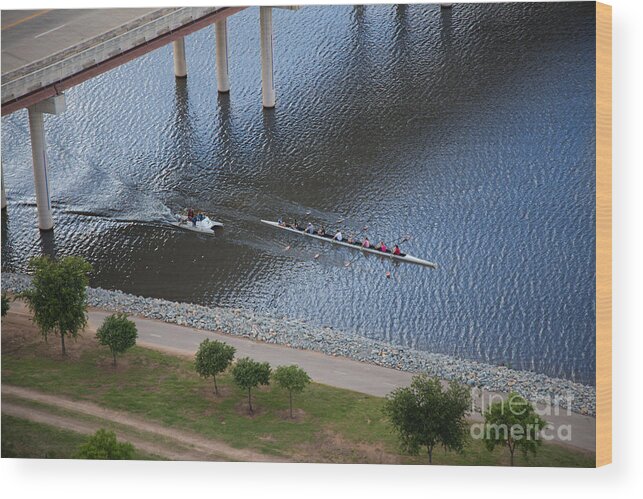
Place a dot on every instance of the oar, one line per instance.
(407, 237)
(350, 262)
(317, 256)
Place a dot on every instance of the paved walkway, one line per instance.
(334, 371)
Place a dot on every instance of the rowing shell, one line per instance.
(402, 258)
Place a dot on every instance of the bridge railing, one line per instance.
(61, 65)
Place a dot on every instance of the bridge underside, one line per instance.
(60, 86)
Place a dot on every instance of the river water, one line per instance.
(472, 130)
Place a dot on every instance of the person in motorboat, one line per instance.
(310, 229)
(190, 214)
(396, 250)
(366, 243)
(338, 235)
(381, 246)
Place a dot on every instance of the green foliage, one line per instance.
(425, 416)
(27, 439)
(7, 448)
(291, 378)
(161, 388)
(212, 358)
(118, 333)
(103, 445)
(5, 304)
(513, 423)
(248, 374)
(58, 296)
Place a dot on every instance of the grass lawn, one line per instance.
(331, 425)
(26, 439)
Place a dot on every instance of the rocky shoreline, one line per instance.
(299, 334)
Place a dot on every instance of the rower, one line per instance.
(310, 229)
(396, 250)
(366, 243)
(321, 232)
(381, 246)
(338, 236)
(280, 222)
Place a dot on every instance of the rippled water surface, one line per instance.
(471, 129)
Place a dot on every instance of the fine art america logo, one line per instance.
(512, 418)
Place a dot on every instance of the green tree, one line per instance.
(249, 374)
(58, 295)
(212, 358)
(426, 416)
(118, 333)
(513, 423)
(291, 378)
(5, 304)
(103, 445)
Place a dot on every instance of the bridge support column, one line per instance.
(53, 105)
(180, 66)
(221, 35)
(4, 196)
(267, 82)
(39, 154)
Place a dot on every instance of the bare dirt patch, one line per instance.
(19, 332)
(107, 363)
(241, 408)
(208, 393)
(298, 415)
(330, 447)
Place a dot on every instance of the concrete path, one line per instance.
(334, 371)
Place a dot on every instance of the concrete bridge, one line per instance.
(47, 52)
